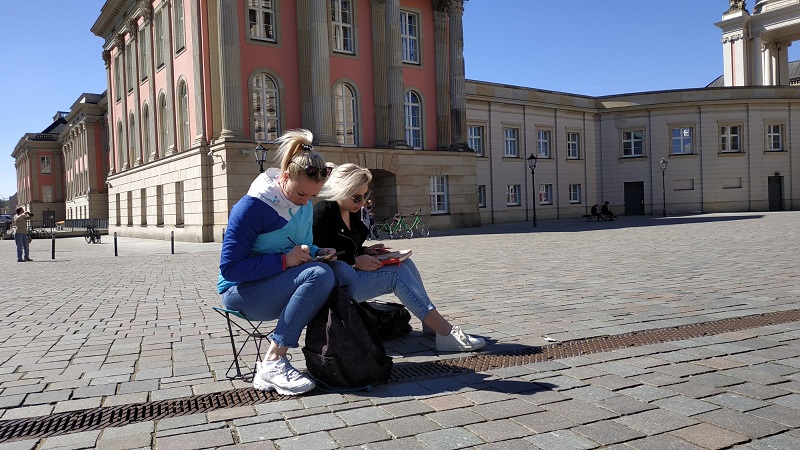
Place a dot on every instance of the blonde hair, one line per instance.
(294, 146)
(344, 181)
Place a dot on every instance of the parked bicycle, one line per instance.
(92, 235)
(38, 233)
(380, 229)
(399, 227)
(419, 226)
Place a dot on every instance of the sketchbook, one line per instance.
(394, 257)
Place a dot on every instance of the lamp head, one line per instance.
(663, 164)
(532, 161)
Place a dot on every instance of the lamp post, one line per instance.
(532, 164)
(663, 164)
(260, 154)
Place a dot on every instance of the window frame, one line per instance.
(47, 193)
(343, 32)
(341, 101)
(46, 164)
(545, 194)
(129, 67)
(410, 37)
(438, 189)
(511, 143)
(575, 194)
(680, 141)
(144, 60)
(573, 145)
(147, 142)
(513, 195)
(544, 139)
(473, 138)
(183, 114)
(481, 196)
(769, 135)
(158, 23)
(723, 135)
(179, 17)
(413, 133)
(269, 30)
(118, 70)
(260, 94)
(163, 121)
(633, 140)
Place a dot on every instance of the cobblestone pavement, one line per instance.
(89, 329)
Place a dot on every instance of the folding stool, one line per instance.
(253, 333)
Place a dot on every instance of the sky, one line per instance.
(586, 47)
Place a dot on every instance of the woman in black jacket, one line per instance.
(337, 224)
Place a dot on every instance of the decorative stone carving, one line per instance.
(735, 6)
(107, 58)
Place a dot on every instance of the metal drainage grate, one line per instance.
(116, 416)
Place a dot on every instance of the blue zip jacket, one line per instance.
(259, 230)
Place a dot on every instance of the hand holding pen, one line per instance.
(298, 255)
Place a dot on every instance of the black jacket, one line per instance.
(330, 231)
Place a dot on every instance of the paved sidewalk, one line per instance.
(89, 329)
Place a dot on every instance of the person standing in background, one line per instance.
(20, 224)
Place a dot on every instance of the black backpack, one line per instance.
(392, 320)
(343, 348)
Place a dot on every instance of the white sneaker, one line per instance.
(280, 376)
(458, 341)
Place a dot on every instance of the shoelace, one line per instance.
(460, 335)
(282, 366)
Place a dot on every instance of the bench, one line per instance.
(590, 217)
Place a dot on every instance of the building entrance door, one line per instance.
(775, 189)
(634, 198)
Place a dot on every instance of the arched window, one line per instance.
(133, 150)
(147, 140)
(345, 113)
(183, 110)
(266, 120)
(413, 119)
(120, 162)
(163, 124)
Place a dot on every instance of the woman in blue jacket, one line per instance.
(267, 265)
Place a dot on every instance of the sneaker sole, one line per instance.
(461, 349)
(266, 387)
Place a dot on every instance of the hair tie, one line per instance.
(307, 147)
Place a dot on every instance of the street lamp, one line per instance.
(532, 164)
(260, 154)
(663, 164)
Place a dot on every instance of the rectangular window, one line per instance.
(118, 77)
(543, 144)
(409, 35)
(482, 196)
(261, 19)
(513, 195)
(144, 59)
(129, 67)
(633, 143)
(143, 206)
(118, 210)
(179, 203)
(681, 141)
(511, 142)
(438, 191)
(160, 205)
(545, 194)
(47, 194)
(180, 32)
(775, 138)
(729, 138)
(476, 139)
(158, 23)
(342, 20)
(45, 162)
(573, 146)
(574, 193)
(129, 198)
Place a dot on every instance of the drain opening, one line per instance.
(117, 416)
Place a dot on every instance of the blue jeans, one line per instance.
(21, 239)
(401, 279)
(293, 297)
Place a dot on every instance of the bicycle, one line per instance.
(419, 226)
(36, 233)
(399, 227)
(380, 230)
(91, 235)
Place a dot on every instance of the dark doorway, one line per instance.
(634, 198)
(775, 188)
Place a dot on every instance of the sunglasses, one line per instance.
(359, 198)
(313, 171)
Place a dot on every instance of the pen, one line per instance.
(291, 240)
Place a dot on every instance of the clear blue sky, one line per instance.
(585, 47)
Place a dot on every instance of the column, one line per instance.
(147, 24)
(782, 63)
(197, 68)
(442, 85)
(125, 144)
(137, 116)
(394, 75)
(33, 168)
(768, 64)
(110, 102)
(458, 83)
(169, 55)
(321, 104)
(304, 65)
(379, 72)
(230, 71)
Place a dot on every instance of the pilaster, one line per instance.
(197, 69)
(379, 72)
(442, 85)
(110, 97)
(394, 75)
(458, 83)
(321, 103)
(230, 71)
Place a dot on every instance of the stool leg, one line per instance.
(233, 347)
